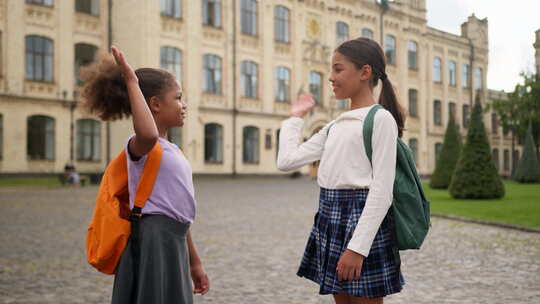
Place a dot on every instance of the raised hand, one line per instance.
(302, 105)
(127, 70)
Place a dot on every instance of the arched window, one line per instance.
(39, 58)
(367, 33)
(41, 2)
(413, 102)
(171, 60)
(90, 7)
(171, 8)
(249, 17)
(84, 55)
(390, 49)
(496, 158)
(212, 74)
(437, 70)
(212, 12)
(452, 71)
(342, 32)
(315, 87)
(248, 80)
(281, 23)
(282, 77)
(438, 149)
(437, 112)
(251, 145)
(40, 137)
(213, 143)
(412, 47)
(88, 140)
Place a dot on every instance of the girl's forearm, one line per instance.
(193, 255)
(143, 122)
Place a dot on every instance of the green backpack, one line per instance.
(409, 206)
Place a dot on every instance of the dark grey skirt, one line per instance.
(154, 268)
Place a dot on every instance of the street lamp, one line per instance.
(72, 104)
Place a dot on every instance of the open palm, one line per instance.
(127, 70)
(302, 105)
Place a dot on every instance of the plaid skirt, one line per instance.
(335, 222)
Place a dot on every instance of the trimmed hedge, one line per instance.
(446, 164)
(475, 176)
(528, 169)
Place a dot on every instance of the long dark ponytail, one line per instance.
(362, 51)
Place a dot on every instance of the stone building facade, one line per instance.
(240, 63)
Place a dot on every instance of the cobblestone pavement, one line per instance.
(251, 235)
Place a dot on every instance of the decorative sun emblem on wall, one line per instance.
(313, 29)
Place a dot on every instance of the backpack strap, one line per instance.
(368, 130)
(148, 178)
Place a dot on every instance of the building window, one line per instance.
(413, 55)
(251, 145)
(212, 74)
(281, 23)
(438, 149)
(478, 80)
(211, 12)
(342, 32)
(413, 102)
(39, 59)
(390, 49)
(506, 160)
(494, 124)
(249, 17)
(40, 137)
(171, 8)
(88, 140)
(315, 86)
(437, 115)
(495, 155)
(282, 91)
(248, 81)
(465, 118)
(452, 69)
(437, 70)
(90, 7)
(174, 135)
(465, 76)
(84, 55)
(171, 60)
(342, 104)
(367, 33)
(213, 143)
(41, 2)
(1, 136)
(413, 145)
(452, 110)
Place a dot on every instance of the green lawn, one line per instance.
(520, 206)
(30, 182)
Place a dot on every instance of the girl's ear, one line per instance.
(365, 72)
(154, 104)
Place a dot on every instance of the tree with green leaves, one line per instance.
(521, 108)
(528, 169)
(476, 176)
(448, 158)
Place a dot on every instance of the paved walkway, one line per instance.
(251, 234)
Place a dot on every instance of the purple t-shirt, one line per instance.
(173, 194)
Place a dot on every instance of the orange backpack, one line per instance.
(110, 228)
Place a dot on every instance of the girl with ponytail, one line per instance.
(350, 252)
(162, 265)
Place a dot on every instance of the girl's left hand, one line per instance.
(349, 266)
(200, 280)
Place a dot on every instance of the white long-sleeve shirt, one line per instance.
(345, 165)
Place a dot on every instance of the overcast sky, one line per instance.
(511, 33)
